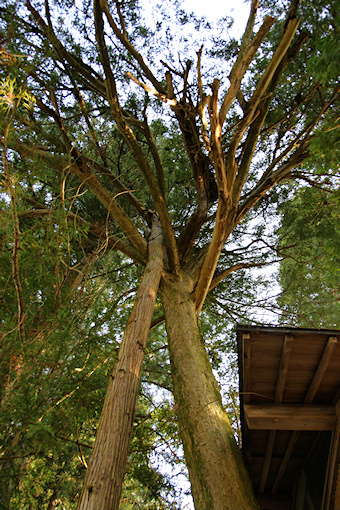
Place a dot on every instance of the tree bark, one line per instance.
(218, 477)
(105, 473)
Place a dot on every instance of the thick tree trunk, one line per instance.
(105, 472)
(219, 480)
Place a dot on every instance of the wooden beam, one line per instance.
(320, 372)
(290, 417)
(290, 448)
(313, 388)
(280, 386)
(246, 366)
(267, 460)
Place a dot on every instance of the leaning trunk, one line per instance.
(218, 477)
(105, 472)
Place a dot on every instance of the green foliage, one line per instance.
(310, 276)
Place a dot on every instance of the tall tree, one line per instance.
(95, 128)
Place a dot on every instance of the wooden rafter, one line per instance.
(281, 382)
(331, 465)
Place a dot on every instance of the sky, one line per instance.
(213, 9)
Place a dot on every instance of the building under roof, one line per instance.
(290, 415)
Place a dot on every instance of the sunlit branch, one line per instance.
(241, 65)
(256, 126)
(249, 27)
(260, 94)
(202, 102)
(151, 90)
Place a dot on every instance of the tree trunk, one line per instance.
(105, 472)
(218, 477)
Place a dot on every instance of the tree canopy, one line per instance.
(111, 121)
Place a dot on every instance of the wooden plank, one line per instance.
(280, 385)
(285, 358)
(301, 490)
(309, 501)
(290, 417)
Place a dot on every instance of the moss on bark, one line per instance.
(219, 479)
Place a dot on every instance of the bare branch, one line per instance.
(252, 107)
(249, 27)
(157, 160)
(121, 19)
(255, 128)
(276, 176)
(242, 265)
(241, 65)
(147, 88)
(202, 102)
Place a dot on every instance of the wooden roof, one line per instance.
(290, 411)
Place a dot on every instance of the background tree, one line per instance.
(310, 278)
(185, 179)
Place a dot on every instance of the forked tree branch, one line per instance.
(256, 126)
(271, 180)
(259, 95)
(226, 211)
(131, 49)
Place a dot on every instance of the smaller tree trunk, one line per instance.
(218, 477)
(105, 472)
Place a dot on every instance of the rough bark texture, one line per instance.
(219, 480)
(105, 473)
